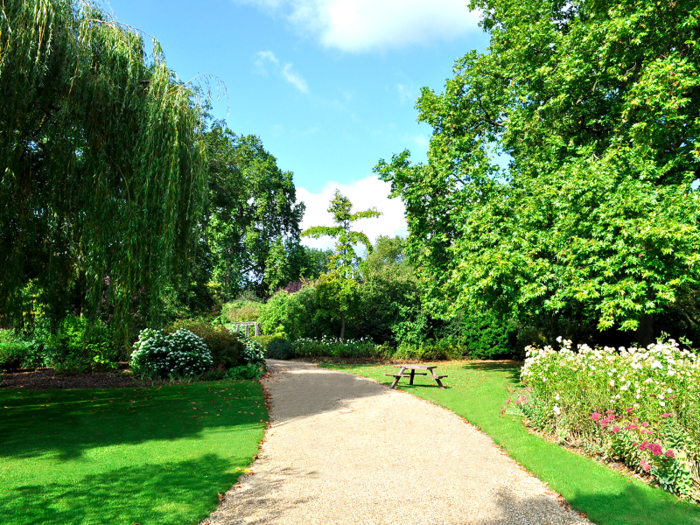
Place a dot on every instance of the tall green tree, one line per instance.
(597, 105)
(339, 288)
(252, 218)
(102, 170)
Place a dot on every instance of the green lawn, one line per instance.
(477, 391)
(155, 455)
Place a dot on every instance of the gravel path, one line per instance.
(346, 450)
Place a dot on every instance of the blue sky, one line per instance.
(328, 85)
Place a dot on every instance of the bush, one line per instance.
(279, 349)
(249, 371)
(265, 340)
(253, 352)
(436, 350)
(11, 355)
(488, 337)
(225, 347)
(159, 355)
(634, 404)
(333, 347)
(241, 310)
(78, 347)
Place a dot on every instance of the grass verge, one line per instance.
(153, 456)
(477, 391)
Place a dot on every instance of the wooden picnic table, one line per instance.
(413, 368)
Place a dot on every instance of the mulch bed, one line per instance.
(48, 379)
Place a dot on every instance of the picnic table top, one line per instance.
(417, 367)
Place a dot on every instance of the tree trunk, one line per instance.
(644, 335)
(342, 325)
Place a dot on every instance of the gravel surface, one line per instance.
(342, 449)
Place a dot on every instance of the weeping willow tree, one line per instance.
(101, 164)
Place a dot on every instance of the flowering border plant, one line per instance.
(335, 347)
(640, 406)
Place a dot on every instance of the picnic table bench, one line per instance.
(413, 368)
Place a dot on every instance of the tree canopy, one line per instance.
(101, 161)
(596, 106)
(252, 218)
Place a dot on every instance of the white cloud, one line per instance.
(369, 192)
(363, 25)
(294, 78)
(263, 59)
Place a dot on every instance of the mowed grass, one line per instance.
(477, 391)
(152, 456)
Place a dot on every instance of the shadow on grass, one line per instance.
(65, 423)
(509, 370)
(166, 493)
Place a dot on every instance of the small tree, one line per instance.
(345, 260)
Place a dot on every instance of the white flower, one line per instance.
(556, 410)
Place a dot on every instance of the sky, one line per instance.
(328, 85)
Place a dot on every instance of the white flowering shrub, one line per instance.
(160, 355)
(636, 405)
(253, 352)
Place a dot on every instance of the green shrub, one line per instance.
(265, 340)
(488, 337)
(249, 371)
(159, 355)
(77, 347)
(11, 355)
(241, 310)
(280, 349)
(439, 350)
(225, 347)
(333, 347)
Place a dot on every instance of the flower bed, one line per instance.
(640, 406)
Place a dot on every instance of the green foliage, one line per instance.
(486, 336)
(279, 349)
(101, 165)
(225, 347)
(240, 310)
(77, 347)
(12, 355)
(249, 371)
(289, 315)
(265, 340)
(345, 260)
(594, 218)
(160, 355)
(252, 219)
(435, 350)
(335, 347)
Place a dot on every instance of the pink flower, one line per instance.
(670, 453)
(655, 449)
(631, 427)
(645, 465)
(644, 445)
(635, 419)
(645, 424)
(615, 430)
(609, 411)
(629, 410)
(666, 414)
(595, 416)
